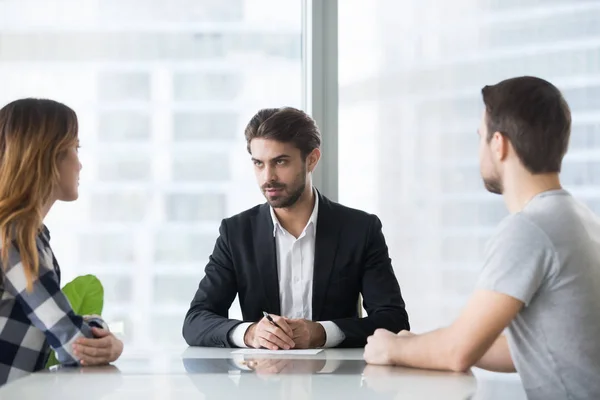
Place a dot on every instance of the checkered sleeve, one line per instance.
(46, 305)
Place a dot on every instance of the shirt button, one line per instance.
(296, 279)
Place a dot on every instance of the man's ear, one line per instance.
(500, 146)
(313, 159)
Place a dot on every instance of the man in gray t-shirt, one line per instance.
(541, 275)
(548, 257)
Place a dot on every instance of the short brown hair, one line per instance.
(287, 125)
(534, 116)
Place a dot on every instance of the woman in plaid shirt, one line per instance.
(38, 166)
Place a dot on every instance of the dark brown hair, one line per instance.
(534, 116)
(286, 125)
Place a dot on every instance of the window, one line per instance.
(584, 136)
(163, 91)
(188, 207)
(122, 126)
(109, 247)
(133, 206)
(215, 125)
(202, 167)
(122, 86)
(124, 167)
(175, 248)
(410, 106)
(202, 86)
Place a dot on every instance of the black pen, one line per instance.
(268, 317)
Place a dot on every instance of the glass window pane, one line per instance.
(118, 289)
(184, 207)
(123, 86)
(132, 206)
(126, 167)
(198, 126)
(410, 106)
(105, 248)
(174, 290)
(209, 167)
(120, 126)
(202, 86)
(163, 91)
(173, 247)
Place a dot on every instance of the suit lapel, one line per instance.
(266, 258)
(326, 243)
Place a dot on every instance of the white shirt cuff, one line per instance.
(330, 366)
(241, 363)
(333, 334)
(236, 336)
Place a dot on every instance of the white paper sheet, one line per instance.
(308, 352)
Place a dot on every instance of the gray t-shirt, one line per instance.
(548, 257)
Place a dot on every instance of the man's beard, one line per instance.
(283, 200)
(493, 185)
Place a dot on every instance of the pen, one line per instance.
(268, 317)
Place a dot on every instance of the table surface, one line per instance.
(211, 373)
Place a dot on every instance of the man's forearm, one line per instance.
(204, 328)
(448, 349)
(497, 358)
(432, 350)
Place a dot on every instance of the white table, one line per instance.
(202, 373)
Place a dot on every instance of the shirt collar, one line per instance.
(312, 221)
(44, 231)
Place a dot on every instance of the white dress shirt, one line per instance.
(295, 266)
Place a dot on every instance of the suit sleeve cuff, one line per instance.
(333, 334)
(236, 336)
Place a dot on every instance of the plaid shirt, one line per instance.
(32, 322)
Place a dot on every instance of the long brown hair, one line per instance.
(34, 135)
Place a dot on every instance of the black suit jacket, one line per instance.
(351, 257)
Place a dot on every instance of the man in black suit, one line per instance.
(300, 257)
